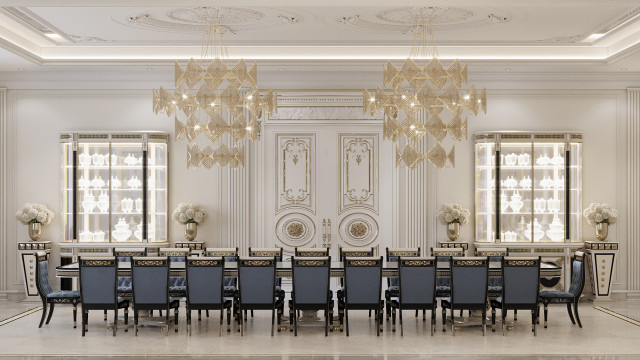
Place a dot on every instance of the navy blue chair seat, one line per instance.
(50, 297)
(63, 295)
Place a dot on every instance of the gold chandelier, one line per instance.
(412, 88)
(215, 100)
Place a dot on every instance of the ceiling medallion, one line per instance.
(214, 100)
(415, 97)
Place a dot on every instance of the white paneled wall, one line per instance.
(633, 189)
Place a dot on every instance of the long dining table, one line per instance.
(283, 269)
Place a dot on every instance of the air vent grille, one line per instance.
(159, 137)
(549, 136)
(93, 136)
(126, 136)
(515, 136)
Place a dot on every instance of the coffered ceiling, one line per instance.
(41, 34)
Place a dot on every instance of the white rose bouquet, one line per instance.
(597, 213)
(453, 213)
(187, 213)
(35, 213)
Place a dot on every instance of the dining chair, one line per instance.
(99, 290)
(495, 255)
(469, 277)
(571, 297)
(50, 297)
(443, 282)
(205, 288)
(312, 252)
(351, 252)
(177, 284)
(311, 289)
(150, 285)
(124, 282)
(230, 282)
(276, 252)
(392, 282)
(521, 283)
(362, 290)
(257, 288)
(416, 288)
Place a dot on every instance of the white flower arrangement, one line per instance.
(187, 213)
(453, 213)
(597, 213)
(35, 213)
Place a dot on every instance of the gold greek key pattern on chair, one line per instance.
(405, 252)
(436, 252)
(150, 262)
(98, 262)
(417, 262)
(205, 262)
(220, 253)
(129, 253)
(173, 253)
(469, 262)
(521, 262)
(362, 262)
(256, 262)
(311, 262)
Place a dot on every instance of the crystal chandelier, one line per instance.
(214, 100)
(413, 88)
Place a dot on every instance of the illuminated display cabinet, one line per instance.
(528, 187)
(115, 187)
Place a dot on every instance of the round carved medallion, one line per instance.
(358, 230)
(295, 229)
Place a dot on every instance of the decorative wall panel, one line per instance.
(633, 189)
(358, 229)
(359, 172)
(296, 171)
(295, 230)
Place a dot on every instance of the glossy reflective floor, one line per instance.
(602, 337)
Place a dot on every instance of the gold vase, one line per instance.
(35, 231)
(602, 230)
(191, 231)
(453, 231)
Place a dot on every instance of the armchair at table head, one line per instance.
(257, 288)
(392, 282)
(417, 287)
(521, 282)
(571, 297)
(311, 289)
(362, 290)
(150, 280)
(312, 252)
(495, 255)
(47, 295)
(177, 284)
(98, 289)
(205, 287)
(469, 278)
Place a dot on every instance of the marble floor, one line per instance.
(602, 337)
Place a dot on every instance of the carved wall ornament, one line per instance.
(295, 175)
(295, 230)
(358, 229)
(359, 166)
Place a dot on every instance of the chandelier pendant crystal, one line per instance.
(412, 88)
(213, 99)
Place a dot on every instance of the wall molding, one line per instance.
(633, 189)
(4, 204)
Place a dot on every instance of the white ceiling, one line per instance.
(486, 33)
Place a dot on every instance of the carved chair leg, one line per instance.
(575, 309)
(393, 319)
(400, 314)
(44, 313)
(126, 319)
(424, 315)
(51, 307)
(75, 315)
(199, 315)
(515, 315)
(504, 318)
(573, 321)
(444, 320)
(115, 321)
(493, 319)
(546, 307)
(84, 321)
(416, 312)
(207, 312)
(188, 321)
(346, 320)
(135, 322)
(105, 315)
(221, 319)
(433, 321)
(175, 319)
(229, 319)
(273, 318)
(533, 323)
(484, 322)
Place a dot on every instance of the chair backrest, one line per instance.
(469, 277)
(311, 279)
(257, 280)
(42, 274)
(577, 274)
(312, 252)
(521, 280)
(98, 280)
(445, 254)
(175, 254)
(205, 280)
(394, 253)
(125, 254)
(494, 254)
(266, 252)
(363, 280)
(354, 252)
(417, 280)
(150, 280)
(229, 254)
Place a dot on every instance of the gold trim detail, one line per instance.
(220, 253)
(404, 253)
(600, 246)
(93, 250)
(311, 262)
(257, 262)
(150, 262)
(204, 262)
(265, 253)
(417, 262)
(454, 245)
(363, 262)
(491, 253)
(521, 262)
(469, 262)
(446, 253)
(129, 253)
(173, 253)
(98, 262)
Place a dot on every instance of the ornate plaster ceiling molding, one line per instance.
(445, 19)
(193, 19)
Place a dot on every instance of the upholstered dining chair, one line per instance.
(50, 297)
(257, 288)
(392, 282)
(150, 285)
(312, 252)
(443, 256)
(177, 284)
(571, 297)
(205, 288)
(521, 283)
(469, 277)
(362, 289)
(124, 282)
(276, 252)
(416, 288)
(98, 290)
(311, 289)
(495, 255)
(351, 252)
(230, 283)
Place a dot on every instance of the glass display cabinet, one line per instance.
(115, 187)
(528, 187)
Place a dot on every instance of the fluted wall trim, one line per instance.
(3, 191)
(633, 188)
